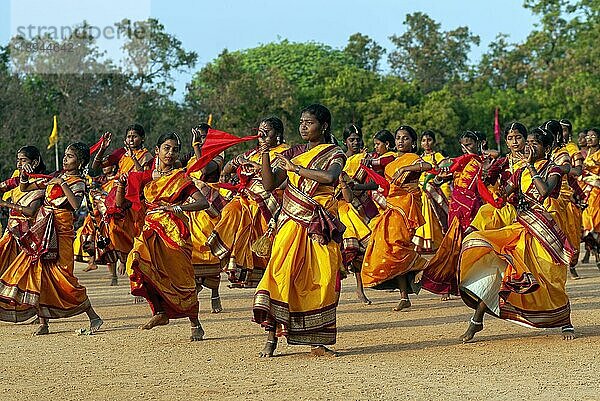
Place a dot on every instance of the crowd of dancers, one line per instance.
(501, 232)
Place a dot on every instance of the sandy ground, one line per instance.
(383, 354)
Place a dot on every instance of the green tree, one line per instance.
(365, 51)
(428, 56)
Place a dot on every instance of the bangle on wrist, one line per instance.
(177, 209)
(536, 176)
(196, 144)
(297, 170)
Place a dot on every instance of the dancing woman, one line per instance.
(355, 208)
(434, 200)
(247, 216)
(123, 222)
(23, 206)
(299, 289)
(390, 259)
(207, 267)
(591, 177)
(518, 272)
(40, 279)
(440, 274)
(160, 264)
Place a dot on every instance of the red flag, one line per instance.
(378, 179)
(216, 142)
(96, 146)
(486, 195)
(497, 126)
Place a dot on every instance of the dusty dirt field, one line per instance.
(384, 354)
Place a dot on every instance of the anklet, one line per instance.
(568, 328)
(215, 297)
(476, 323)
(271, 341)
(196, 327)
(404, 299)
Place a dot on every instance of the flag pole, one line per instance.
(56, 155)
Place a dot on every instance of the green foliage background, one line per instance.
(425, 81)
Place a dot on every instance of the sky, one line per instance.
(208, 27)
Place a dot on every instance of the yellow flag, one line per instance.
(53, 138)
(209, 122)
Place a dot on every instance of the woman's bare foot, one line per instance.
(197, 333)
(403, 304)
(138, 300)
(95, 324)
(114, 281)
(474, 327)
(322, 351)
(90, 267)
(269, 349)
(160, 319)
(215, 303)
(362, 297)
(445, 297)
(41, 330)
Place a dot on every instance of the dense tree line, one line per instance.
(426, 81)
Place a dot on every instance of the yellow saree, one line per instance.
(519, 271)
(298, 290)
(434, 208)
(357, 232)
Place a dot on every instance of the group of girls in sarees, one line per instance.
(291, 222)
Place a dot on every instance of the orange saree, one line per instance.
(160, 264)
(40, 280)
(390, 252)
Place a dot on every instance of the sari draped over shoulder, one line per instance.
(243, 220)
(299, 289)
(17, 224)
(434, 209)
(390, 252)
(354, 216)
(40, 279)
(519, 271)
(160, 262)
